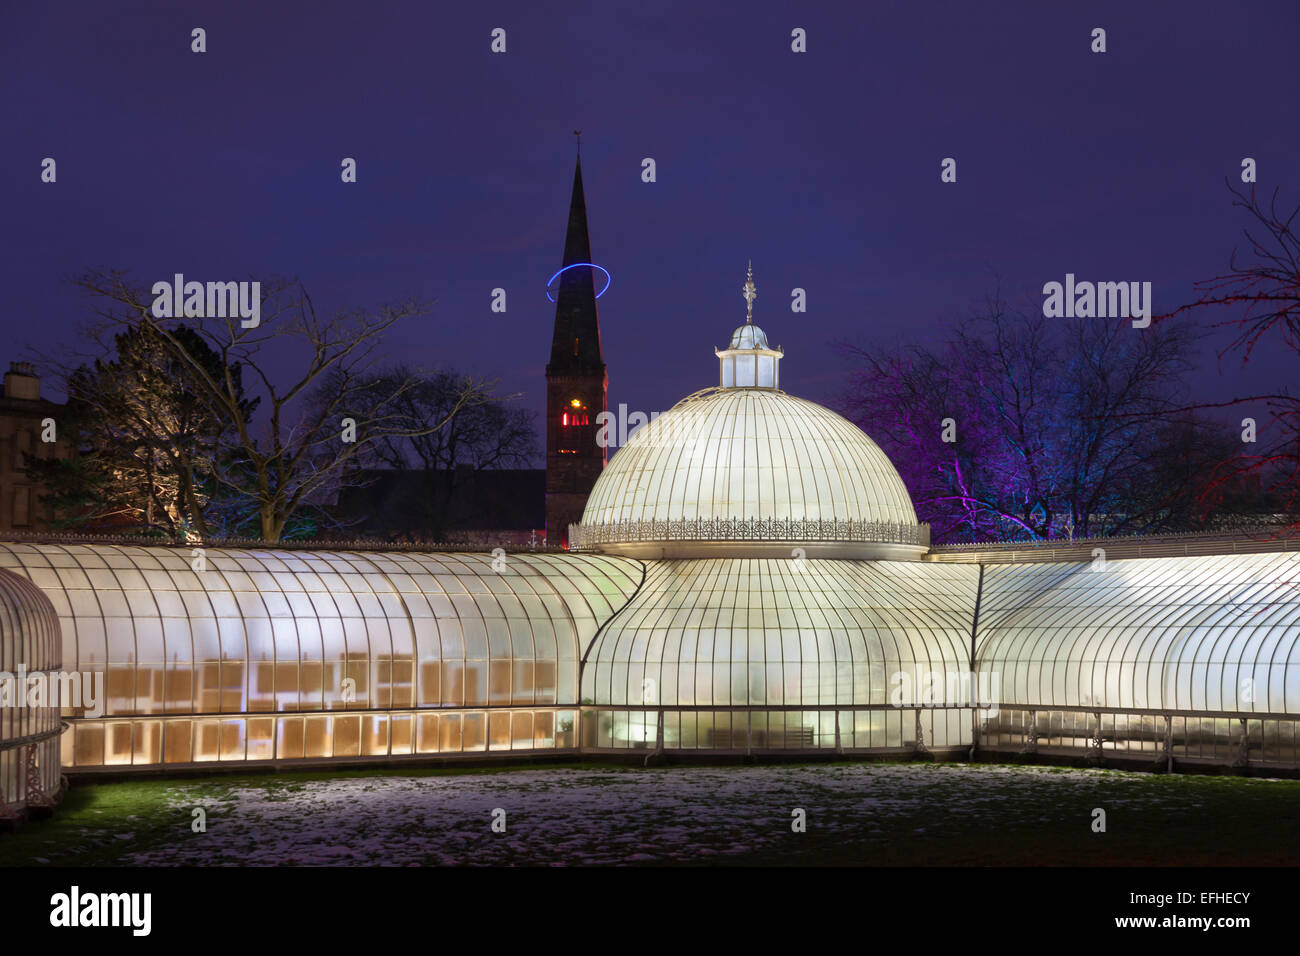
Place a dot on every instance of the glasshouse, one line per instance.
(749, 577)
(30, 723)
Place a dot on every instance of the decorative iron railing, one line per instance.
(467, 542)
(1246, 540)
(748, 529)
(1171, 737)
(1262, 532)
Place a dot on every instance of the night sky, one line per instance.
(822, 167)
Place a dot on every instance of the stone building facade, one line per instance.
(26, 420)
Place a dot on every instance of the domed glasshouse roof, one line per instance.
(749, 453)
(745, 462)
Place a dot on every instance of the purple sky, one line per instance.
(822, 167)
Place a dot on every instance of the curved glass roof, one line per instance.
(749, 453)
(757, 631)
(271, 630)
(1217, 632)
(29, 627)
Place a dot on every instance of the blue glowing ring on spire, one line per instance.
(574, 266)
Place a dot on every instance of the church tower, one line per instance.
(576, 381)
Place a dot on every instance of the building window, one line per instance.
(575, 422)
(22, 446)
(575, 414)
(22, 507)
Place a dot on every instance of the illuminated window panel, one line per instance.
(521, 730)
(317, 738)
(499, 730)
(401, 730)
(260, 741)
(474, 732)
(543, 728)
(88, 750)
(347, 736)
(146, 741)
(178, 741)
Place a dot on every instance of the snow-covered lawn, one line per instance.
(856, 813)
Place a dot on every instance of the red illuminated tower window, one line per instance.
(574, 419)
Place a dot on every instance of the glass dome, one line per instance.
(752, 464)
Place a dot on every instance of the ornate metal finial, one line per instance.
(749, 294)
(578, 133)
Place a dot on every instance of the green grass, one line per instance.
(954, 814)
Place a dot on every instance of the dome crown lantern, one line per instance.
(748, 336)
(748, 361)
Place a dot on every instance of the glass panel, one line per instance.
(449, 733)
(290, 740)
(499, 730)
(319, 742)
(544, 729)
(347, 736)
(207, 739)
(521, 730)
(89, 745)
(232, 740)
(375, 739)
(473, 732)
(177, 741)
(147, 742)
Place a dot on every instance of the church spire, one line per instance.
(576, 380)
(576, 344)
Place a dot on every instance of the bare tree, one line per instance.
(314, 377)
(1014, 427)
(1265, 286)
(482, 432)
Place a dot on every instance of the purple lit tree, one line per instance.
(1017, 427)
